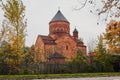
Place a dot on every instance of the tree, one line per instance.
(14, 26)
(112, 37)
(91, 45)
(28, 61)
(4, 68)
(102, 58)
(8, 62)
(79, 62)
(14, 18)
(100, 48)
(108, 8)
(79, 57)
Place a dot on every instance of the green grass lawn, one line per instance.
(41, 76)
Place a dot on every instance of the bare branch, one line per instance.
(83, 3)
(108, 5)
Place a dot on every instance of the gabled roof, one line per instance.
(47, 39)
(59, 17)
(56, 55)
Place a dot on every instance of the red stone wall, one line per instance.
(42, 50)
(49, 49)
(59, 26)
(39, 49)
(39, 44)
(83, 49)
(67, 46)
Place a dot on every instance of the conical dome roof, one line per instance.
(75, 30)
(59, 17)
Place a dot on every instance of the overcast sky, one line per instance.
(40, 12)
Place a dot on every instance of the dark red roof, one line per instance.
(47, 39)
(80, 43)
(56, 55)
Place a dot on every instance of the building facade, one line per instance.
(59, 45)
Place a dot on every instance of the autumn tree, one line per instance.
(14, 18)
(14, 26)
(112, 37)
(100, 48)
(28, 61)
(102, 58)
(4, 68)
(110, 8)
(105, 9)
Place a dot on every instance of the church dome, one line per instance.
(59, 17)
(59, 25)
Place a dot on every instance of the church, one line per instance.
(59, 45)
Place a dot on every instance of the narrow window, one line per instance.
(66, 47)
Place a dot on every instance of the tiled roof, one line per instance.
(80, 43)
(56, 55)
(59, 17)
(47, 40)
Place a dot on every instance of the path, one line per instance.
(88, 78)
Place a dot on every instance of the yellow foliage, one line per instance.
(14, 32)
(112, 36)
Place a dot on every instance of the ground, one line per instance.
(86, 78)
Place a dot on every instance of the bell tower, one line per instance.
(75, 34)
(59, 25)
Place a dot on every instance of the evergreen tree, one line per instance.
(102, 59)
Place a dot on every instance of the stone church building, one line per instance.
(59, 45)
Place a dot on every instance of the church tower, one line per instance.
(59, 25)
(75, 34)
